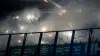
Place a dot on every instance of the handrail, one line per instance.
(49, 31)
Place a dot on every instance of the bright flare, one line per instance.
(44, 29)
(54, 3)
(70, 24)
(45, 0)
(50, 35)
(29, 17)
(22, 35)
(62, 11)
(13, 31)
(17, 17)
(7, 31)
(21, 27)
(42, 42)
(19, 41)
(69, 34)
(80, 10)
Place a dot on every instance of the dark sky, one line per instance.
(19, 4)
(9, 6)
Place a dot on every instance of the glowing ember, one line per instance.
(62, 11)
(44, 29)
(13, 31)
(42, 42)
(7, 31)
(21, 27)
(19, 41)
(70, 24)
(30, 17)
(45, 0)
(50, 35)
(17, 17)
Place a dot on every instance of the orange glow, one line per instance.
(46, 0)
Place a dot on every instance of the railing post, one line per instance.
(23, 45)
(55, 44)
(72, 42)
(8, 44)
(89, 42)
(39, 44)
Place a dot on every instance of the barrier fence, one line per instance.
(54, 49)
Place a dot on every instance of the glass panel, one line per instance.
(3, 42)
(81, 36)
(47, 44)
(80, 43)
(63, 43)
(15, 45)
(17, 40)
(31, 44)
(95, 46)
(32, 39)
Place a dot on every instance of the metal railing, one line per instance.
(55, 41)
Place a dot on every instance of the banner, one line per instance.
(79, 49)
